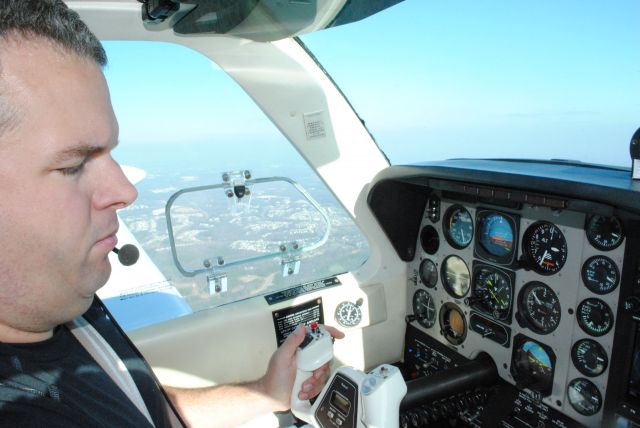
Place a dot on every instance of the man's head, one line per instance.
(59, 186)
(51, 20)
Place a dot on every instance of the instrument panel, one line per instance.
(535, 287)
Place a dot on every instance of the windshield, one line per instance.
(500, 79)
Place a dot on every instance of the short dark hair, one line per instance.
(52, 20)
(47, 19)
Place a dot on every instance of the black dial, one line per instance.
(429, 239)
(589, 357)
(424, 309)
(545, 247)
(428, 273)
(600, 274)
(604, 233)
(594, 317)
(492, 292)
(455, 276)
(458, 227)
(584, 396)
(539, 307)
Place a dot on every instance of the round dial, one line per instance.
(453, 324)
(600, 274)
(589, 357)
(539, 307)
(533, 366)
(584, 396)
(429, 239)
(594, 317)
(428, 273)
(424, 309)
(492, 292)
(495, 235)
(458, 227)
(545, 247)
(455, 276)
(604, 233)
(348, 314)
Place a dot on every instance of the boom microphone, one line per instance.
(127, 254)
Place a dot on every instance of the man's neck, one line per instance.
(12, 335)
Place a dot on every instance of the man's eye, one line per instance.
(73, 170)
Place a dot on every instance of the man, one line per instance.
(60, 192)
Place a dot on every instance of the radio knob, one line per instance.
(632, 305)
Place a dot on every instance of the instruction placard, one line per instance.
(286, 320)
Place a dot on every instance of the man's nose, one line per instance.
(115, 189)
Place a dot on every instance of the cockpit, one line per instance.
(435, 215)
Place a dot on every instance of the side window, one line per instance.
(227, 209)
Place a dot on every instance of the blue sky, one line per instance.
(436, 79)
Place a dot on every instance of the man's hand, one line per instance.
(281, 373)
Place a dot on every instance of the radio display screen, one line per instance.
(340, 402)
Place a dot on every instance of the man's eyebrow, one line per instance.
(82, 152)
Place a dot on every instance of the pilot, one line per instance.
(60, 352)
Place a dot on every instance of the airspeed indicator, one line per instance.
(545, 247)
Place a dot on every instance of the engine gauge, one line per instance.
(348, 314)
(584, 396)
(604, 233)
(539, 307)
(589, 357)
(532, 365)
(424, 309)
(455, 276)
(452, 323)
(600, 274)
(492, 292)
(545, 247)
(428, 273)
(458, 227)
(594, 317)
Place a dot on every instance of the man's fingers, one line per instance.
(334, 332)
(292, 341)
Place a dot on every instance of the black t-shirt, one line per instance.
(56, 383)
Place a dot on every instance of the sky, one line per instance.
(432, 80)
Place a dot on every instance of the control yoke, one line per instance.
(355, 399)
(351, 398)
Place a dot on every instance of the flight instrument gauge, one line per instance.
(589, 357)
(496, 236)
(492, 292)
(429, 239)
(600, 274)
(584, 396)
(594, 317)
(424, 309)
(604, 233)
(455, 276)
(348, 314)
(452, 323)
(428, 273)
(458, 227)
(532, 365)
(539, 307)
(544, 247)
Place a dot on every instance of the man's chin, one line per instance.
(97, 279)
